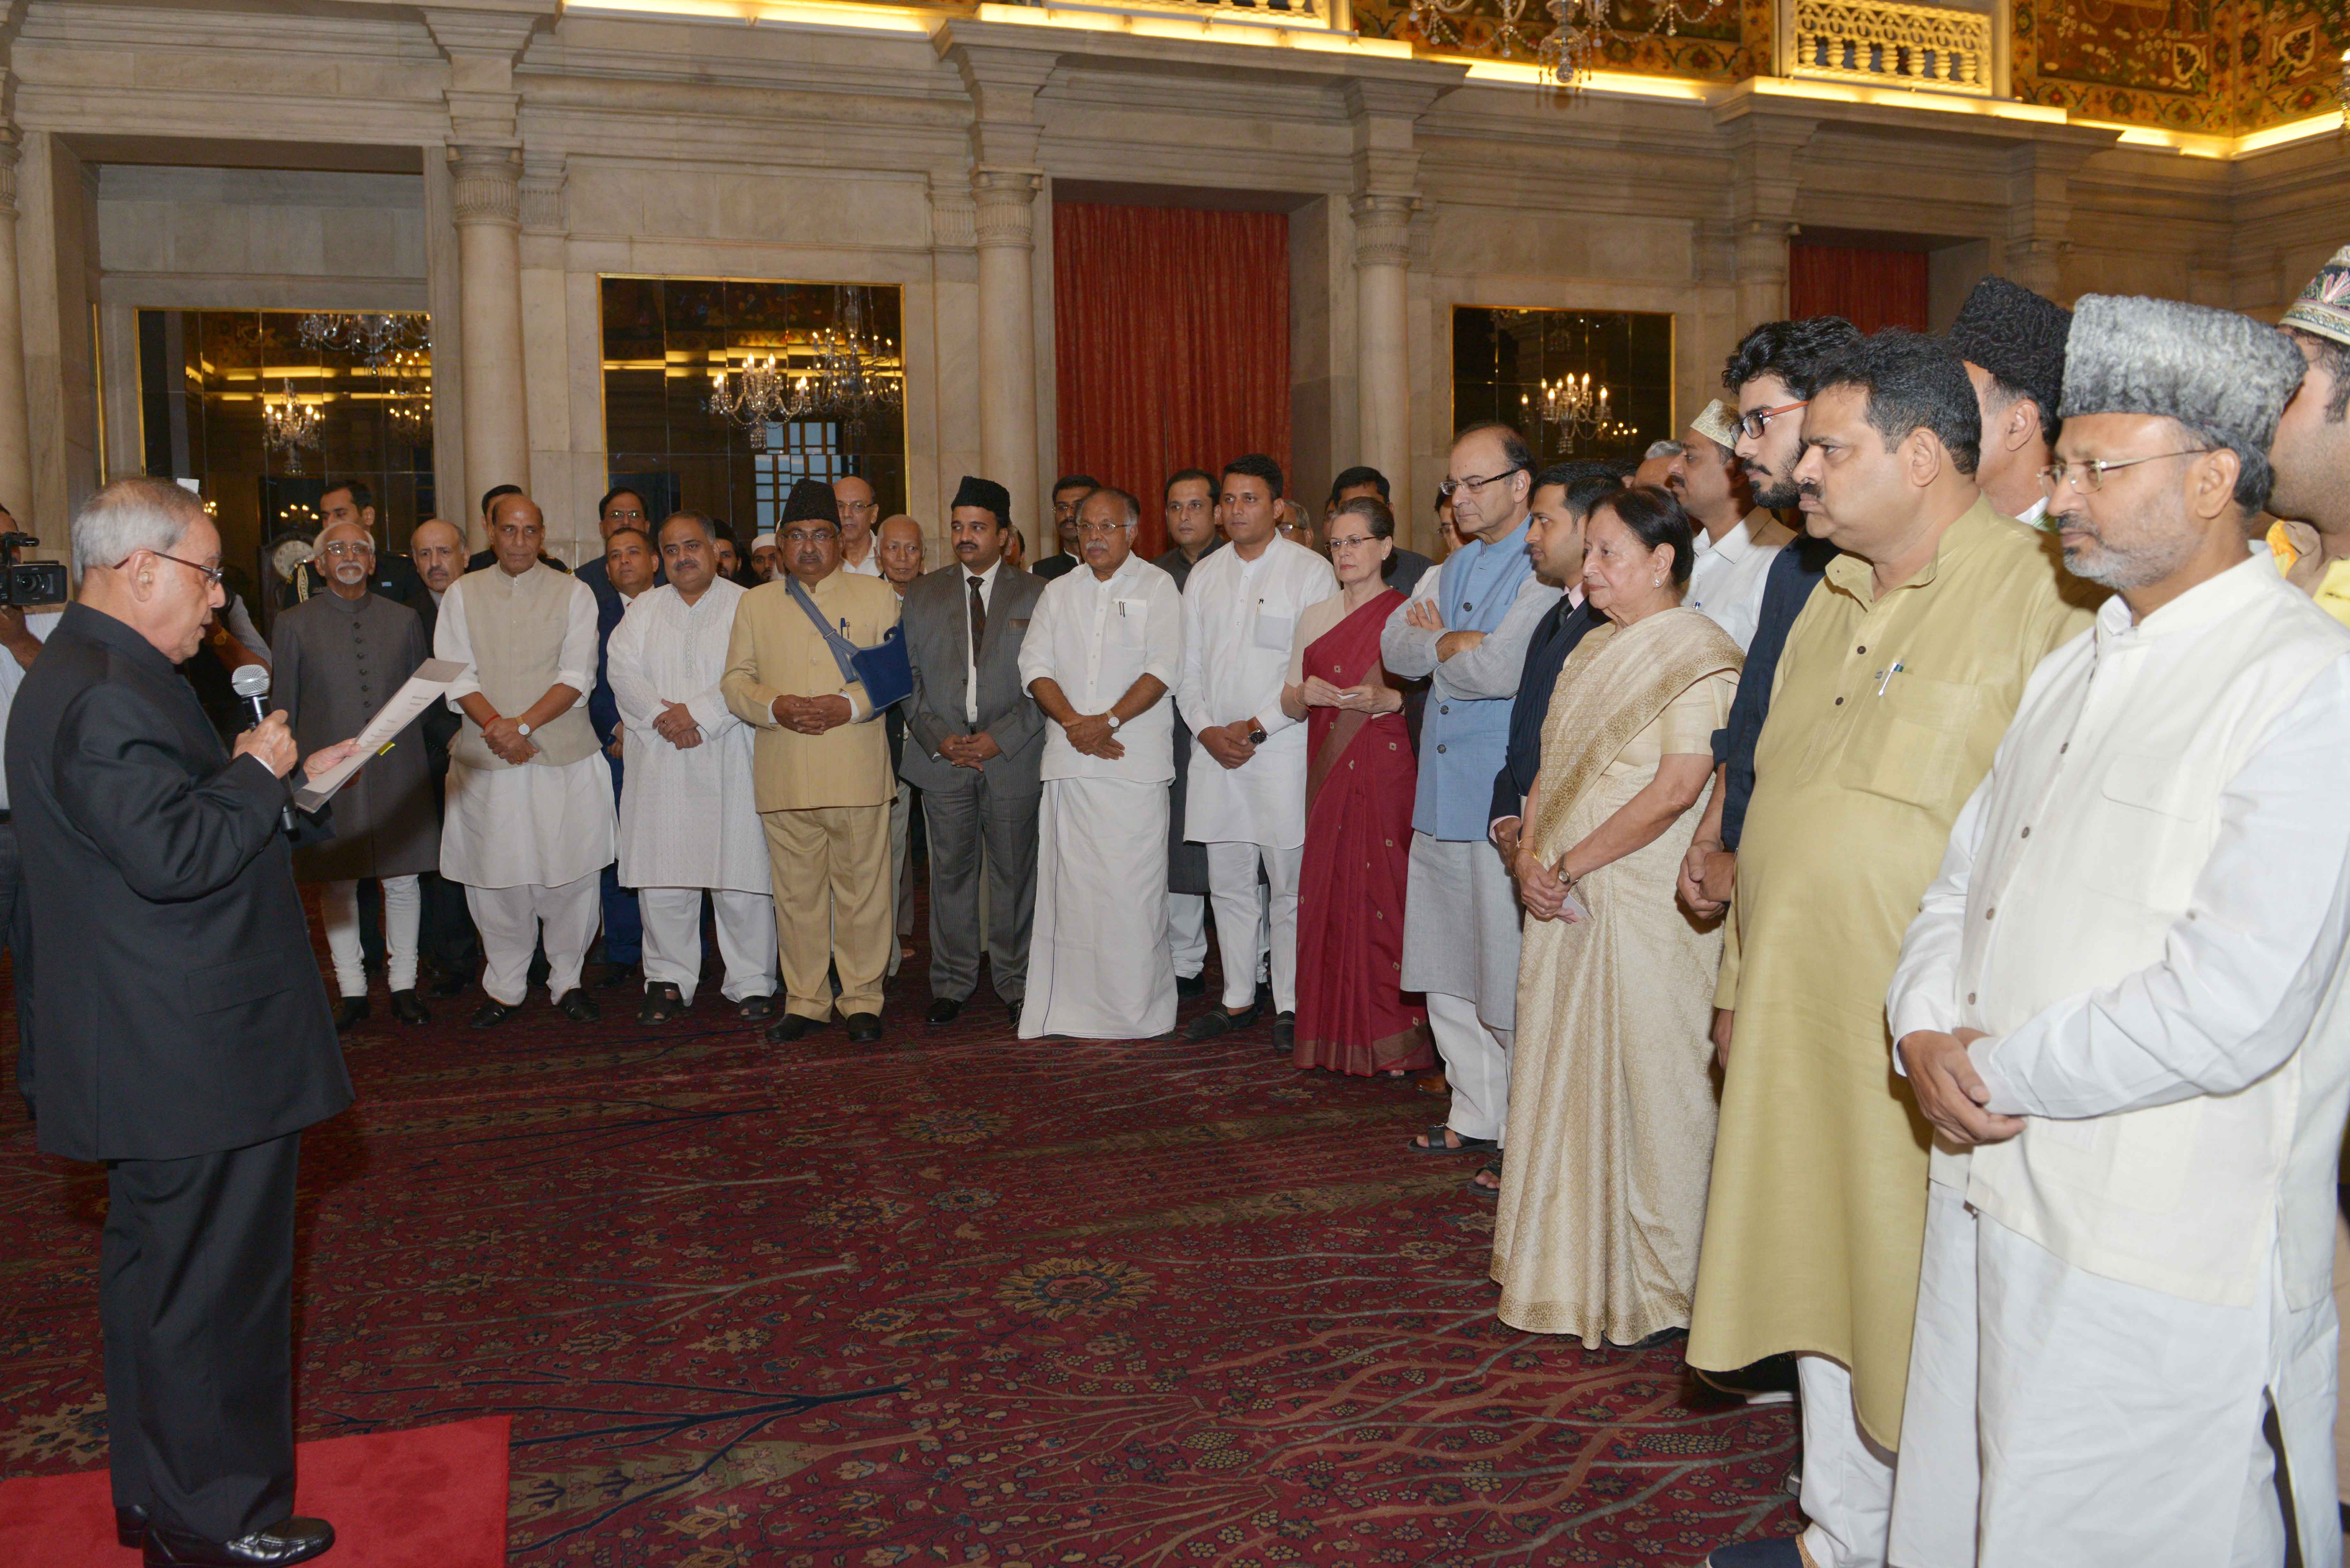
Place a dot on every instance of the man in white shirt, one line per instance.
(2124, 995)
(1104, 644)
(529, 828)
(860, 512)
(766, 557)
(689, 817)
(2013, 343)
(1736, 540)
(1245, 789)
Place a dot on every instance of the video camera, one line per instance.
(29, 583)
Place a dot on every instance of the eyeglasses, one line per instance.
(805, 536)
(1452, 487)
(2088, 477)
(346, 547)
(1100, 530)
(210, 574)
(1350, 541)
(1752, 425)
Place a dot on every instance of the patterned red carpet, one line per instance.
(958, 1300)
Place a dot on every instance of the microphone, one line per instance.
(251, 683)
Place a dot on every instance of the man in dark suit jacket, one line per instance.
(974, 740)
(174, 1026)
(447, 938)
(1561, 502)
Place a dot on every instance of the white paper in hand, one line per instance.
(421, 690)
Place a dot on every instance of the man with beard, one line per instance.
(341, 654)
(766, 557)
(2121, 1006)
(1190, 501)
(1736, 540)
(977, 739)
(1893, 689)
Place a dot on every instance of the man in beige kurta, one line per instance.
(1894, 686)
(820, 771)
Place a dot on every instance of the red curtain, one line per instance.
(1170, 332)
(1869, 288)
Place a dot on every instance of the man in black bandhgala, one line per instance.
(173, 1024)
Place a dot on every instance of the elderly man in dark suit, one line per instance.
(451, 946)
(974, 740)
(175, 1027)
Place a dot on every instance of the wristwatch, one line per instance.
(523, 729)
(1114, 720)
(1256, 734)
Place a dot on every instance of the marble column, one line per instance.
(1382, 334)
(15, 429)
(1005, 204)
(489, 265)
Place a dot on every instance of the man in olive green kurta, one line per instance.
(1896, 683)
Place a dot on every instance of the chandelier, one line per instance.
(844, 374)
(288, 426)
(1567, 53)
(370, 337)
(1576, 407)
(408, 402)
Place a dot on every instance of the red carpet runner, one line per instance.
(432, 1498)
(960, 1300)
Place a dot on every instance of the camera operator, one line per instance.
(174, 1026)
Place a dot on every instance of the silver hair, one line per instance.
(1658, 448)
(132, 514)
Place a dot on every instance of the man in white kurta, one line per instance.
(689, 814)
(1103, 646)
(2124, 995)
(1245, 787)
(530, 820)
(1736, 541)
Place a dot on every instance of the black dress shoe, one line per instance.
(1285, 1033)
(663, 1002)
(449, 985)
(944, 1010)
(492, 1013)
(864, 1028)
(130, 1526)
(350, 1013)
(576, 1005)
(791, 1026)
(288, 1540)
(1216, 1021)
(409, 1008)
(1187, 986)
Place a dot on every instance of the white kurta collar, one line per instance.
(2215, 599)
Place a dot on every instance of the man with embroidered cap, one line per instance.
(2013, 343)
(820, 769)
(976, 738)
(2120, 1005)
(1736, 540)
(1893, 688)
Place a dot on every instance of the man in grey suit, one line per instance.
(975, 738)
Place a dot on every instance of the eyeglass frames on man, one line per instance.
(1752, 425)
(2088, 477)
(1452, 487)
(211, 573)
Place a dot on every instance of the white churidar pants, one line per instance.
(746, 939)
(1186, 933)
(1476, 1066)
(1241, 919)
(516, 920)
(403, 907)
(2109, 1423)
(1847, 1478)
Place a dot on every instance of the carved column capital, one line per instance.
(1383, 229)
(1005, 207)
(488, 186)
(9, 152)
(540, 193)
(954, 216)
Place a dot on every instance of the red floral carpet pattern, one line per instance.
(960, 1299)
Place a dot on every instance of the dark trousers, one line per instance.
(624, 927)
(15, 925)
(196, 1288)
(445, 937)
(959, 817)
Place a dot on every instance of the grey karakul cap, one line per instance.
(2130, 355)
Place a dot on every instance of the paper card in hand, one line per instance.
(421, 690)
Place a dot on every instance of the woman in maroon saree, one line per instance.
(1352, 1016)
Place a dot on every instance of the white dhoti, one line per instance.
(1097, 962)
(746, 939)
(1460, 948)
(524, 842)
(2114, 1424)
(1255, 928)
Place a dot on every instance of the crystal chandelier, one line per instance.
(849, 377)
(408, 406)
(762, 393)
(1576, 407)
(1567, 52)
(288, 426)
(370, 337)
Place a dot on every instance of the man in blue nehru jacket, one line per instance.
(1467, 626)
